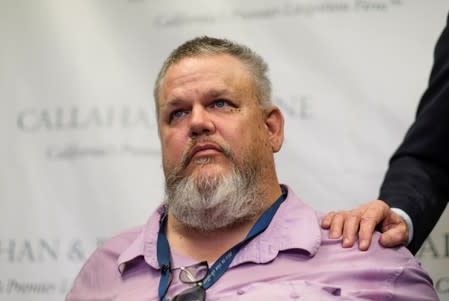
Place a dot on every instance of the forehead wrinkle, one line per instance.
(180, 78)
(209, 94)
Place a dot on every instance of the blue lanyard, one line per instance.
(221, 265)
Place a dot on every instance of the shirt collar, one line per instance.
(295, 227)
(145, 245)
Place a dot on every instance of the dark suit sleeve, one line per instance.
(417, 180)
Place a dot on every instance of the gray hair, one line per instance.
(212, 46)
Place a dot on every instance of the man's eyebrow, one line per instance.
(172, 102)
(214, 93)
(217, 93)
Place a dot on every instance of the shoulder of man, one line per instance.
(379, 270)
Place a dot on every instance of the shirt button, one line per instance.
(240, 292)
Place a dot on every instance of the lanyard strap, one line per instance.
(221, 265)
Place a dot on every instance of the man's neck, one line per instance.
(205, 245)
(210, 245)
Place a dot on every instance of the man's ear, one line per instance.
(274, 121)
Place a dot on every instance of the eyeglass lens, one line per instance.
(196, 293)
(194, 273)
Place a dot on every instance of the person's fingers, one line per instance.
(350, 228)
(397, 235)
(336, 227)
(367, 227)
(327, 220)
(363, 221)
(375, 212)
(395, 231)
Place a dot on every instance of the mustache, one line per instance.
(174, 175)
(187, 155)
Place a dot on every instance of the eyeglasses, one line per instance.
(193, 274)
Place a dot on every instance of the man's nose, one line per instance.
(201, 122)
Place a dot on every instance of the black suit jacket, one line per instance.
(417, 179)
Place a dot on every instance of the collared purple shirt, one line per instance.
(292, 260)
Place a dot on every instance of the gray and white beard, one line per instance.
(210, 202)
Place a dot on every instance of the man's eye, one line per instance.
(177, 114)
(220, 103)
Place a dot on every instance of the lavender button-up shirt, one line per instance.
(292, 260)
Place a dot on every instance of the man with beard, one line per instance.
(227, 228)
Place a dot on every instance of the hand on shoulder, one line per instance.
(363, 221)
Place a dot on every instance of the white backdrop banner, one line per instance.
(80, 159)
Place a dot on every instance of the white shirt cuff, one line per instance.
(407, 220)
